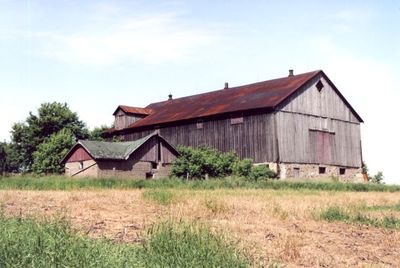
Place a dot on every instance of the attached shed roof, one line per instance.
(111, 150)
(133, 110)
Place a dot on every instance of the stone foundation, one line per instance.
(305, 171)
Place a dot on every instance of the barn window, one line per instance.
(237, 120)
(80, 165)
(326, 123)
(322, 170)
(319, 86)
(342, 171)
(296, 172)
(199, 124)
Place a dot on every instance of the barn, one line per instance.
(299, 125)
(148, 157)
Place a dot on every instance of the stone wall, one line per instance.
(305, 171)
(162, 171)
(86, 168)
(124, 169)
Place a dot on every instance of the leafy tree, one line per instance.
(47, 157)
(96, 133)
(3, 157)
(50, 119)
(377, 178)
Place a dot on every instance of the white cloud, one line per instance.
(152, 39)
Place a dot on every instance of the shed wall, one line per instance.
(123, 120)
(79, 154)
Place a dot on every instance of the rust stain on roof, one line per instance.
(133, 110)
(265, 94)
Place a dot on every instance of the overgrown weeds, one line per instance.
(29, 243)
(160, 196)
(190, 245)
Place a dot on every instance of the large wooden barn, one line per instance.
(300, 125)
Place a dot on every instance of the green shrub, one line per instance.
(260, 172)
(242, 168)
(202, 161)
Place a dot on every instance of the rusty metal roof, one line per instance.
(266, 94)
(133, 110)
(261, 95)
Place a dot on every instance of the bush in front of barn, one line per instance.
(198, 163)
(203, 162)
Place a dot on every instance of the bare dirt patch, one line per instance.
(276, 226)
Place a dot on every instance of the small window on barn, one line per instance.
(326, 123)
(342, 171)
(319, 86)
(80, 165)
(296, 172)
(199, 124)
(237, 120)
(322, 170)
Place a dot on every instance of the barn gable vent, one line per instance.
(319, 86)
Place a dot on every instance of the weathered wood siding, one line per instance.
(324, 103)
(148, 151)
(79, 155)
(167, 155)
(123, 120)
(254, 138)
(299, 142)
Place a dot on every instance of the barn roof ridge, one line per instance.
(235, 87)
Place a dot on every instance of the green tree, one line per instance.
(50, 119)
(47, 157)
(3, 158)
(377, 178)
(96, 133)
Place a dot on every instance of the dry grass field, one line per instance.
(272, 226)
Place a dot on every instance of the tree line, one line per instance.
(40, 142)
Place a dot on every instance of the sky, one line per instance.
(96, 55)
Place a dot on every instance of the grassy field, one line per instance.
(63, 183)
(241, 224)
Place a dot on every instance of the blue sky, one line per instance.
(95, 55)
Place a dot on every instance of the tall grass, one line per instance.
(189, 245)
(160, 196)
(28, 243)
(63, 183)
